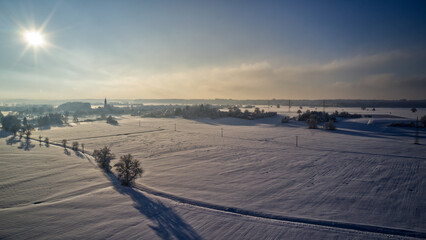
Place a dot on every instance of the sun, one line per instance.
(34, 38)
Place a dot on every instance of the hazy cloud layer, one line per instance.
(360, 76)
(97, 75)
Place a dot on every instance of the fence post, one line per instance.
(221, 132)
(297, 141)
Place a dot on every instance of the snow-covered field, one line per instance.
(364, 173)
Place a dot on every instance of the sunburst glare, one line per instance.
(34, 38)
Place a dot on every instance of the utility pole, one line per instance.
(323, 106)
(297, 141)
(221, 132)
(289, 105)
(416, 140)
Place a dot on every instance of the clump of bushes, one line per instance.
(345, 115)
(128, 169)
(103, 157)
(318, 116)
(312, 123)
(330, 125)
(199, 111)
(257, 113)
(325, 117)
(111, 120)
(51, 118)
(285, 119)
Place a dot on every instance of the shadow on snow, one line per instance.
(169, 225)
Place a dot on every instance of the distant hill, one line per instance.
(75, 106)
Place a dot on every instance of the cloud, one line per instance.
(95, 75)
(360, 76)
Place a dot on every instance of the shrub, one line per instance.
(128, 169)
(329, 125)
(103, 157)
(111, 120)
(74, 146)
(312, 123)
(285, 119)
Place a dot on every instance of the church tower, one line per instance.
(105, 103)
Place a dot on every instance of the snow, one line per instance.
(367, 174)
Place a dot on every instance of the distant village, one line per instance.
(76, 112)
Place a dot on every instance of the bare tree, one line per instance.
(128, 169)
(28, 130)
(74, 146)
(104, 156)
(64, 143)
(11, 123)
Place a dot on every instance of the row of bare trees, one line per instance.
(128, 168)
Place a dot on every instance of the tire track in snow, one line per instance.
(317, 222)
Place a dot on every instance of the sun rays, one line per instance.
(34, 38)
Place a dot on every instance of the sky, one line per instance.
(214, 49)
